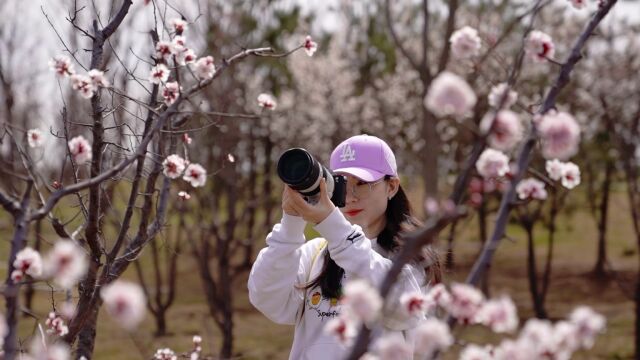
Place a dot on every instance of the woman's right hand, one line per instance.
(287, 206)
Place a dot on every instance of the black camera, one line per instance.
(300, 170)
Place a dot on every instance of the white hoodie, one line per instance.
(288, 262)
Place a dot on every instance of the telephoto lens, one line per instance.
(300, 170)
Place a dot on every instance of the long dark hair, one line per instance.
(399, 219)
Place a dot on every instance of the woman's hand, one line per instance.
(294, 204)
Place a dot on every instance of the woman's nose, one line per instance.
(350, 198)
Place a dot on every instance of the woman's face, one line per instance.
(367, 207)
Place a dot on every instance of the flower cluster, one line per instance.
(55, 325)
(174, 166)
(125, 302)
(28, 262)
(531, 188)
(496, 94)
(567, 172)
(165, 354)
(86, 85)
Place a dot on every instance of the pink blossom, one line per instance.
(466, 301)
(578, 4)
(196, 175)
(492, 163)
(205, 68)
(540, 334)
(173, 166)
(570, 175)
(430, 336)
(125, 302)
(554, 169)
(171, 92)
(539, 46)
(504, 129)
(449, 94)
(439, 296)
(465, 42)
(342, 328)
(393, 347)
(565, 336)
(267, 101)
(66, 263)
(165, 354)
(55, 325)
(179, 25)
(80, 149)
(310, 46)
(35, 138)
(159, 74)
(362, 300)
(178, 44)
(475, 352)
(186, 139)
(183, 195)
(29, 262)
(559, 135)
(589, 323)
(164, 49)
(531, 188)
(17, 276)
(187, 56)
(496, 94)
(97, 78)
(84, 85)
(414, 303)
(500, 315)
(514, 350)
(62, 66)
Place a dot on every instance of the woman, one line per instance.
(299, 283)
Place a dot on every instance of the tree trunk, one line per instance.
(538, 305)
(482, 227)
(430, 152)
(161, 322)
(599, 269)
(29, 291)
(87, 335)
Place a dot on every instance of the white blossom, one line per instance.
(559, 135)
(465, 42)
(187, 56)
(62, 66)
(554, 169)
(165, 354)
(492, 163)
(342, 328)
(56, 325)
(539, 46)
(35, 138)
(466, 301)
(179, 25)
(159, 74)
(475, 352)
(17, 276)
(393, 347)
(173, 166)
(439, 295)
(310, 47)
(164, 50)
(53, 351)
(97, 78)
(504, 129)
(540, 334)
(449, 94)
(29, 262)
(178, 44)
(125, 302)
(589, 323)
(80, 149)
(196, 175)
(66, 263)
(84, 85)
(514, 350)
(362, 300)
(430, 336)
(267, 101)
(414, 303)
(496, 95)
(499, 314)
(205, 68)
(570, 175)
(183, 195)
(531, 188)
(171, 92)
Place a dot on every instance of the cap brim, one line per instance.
(362, 174)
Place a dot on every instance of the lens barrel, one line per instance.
(298, 169)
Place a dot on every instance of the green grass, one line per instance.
(258, 338)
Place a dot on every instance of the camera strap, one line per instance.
(317, 252)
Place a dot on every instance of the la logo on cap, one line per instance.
(348, 154)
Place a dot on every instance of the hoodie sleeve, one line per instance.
(352, 251)
(278, 269)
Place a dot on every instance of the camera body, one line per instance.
(302, 172)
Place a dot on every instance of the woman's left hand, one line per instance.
(315, 213)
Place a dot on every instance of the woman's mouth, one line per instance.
(352, 213)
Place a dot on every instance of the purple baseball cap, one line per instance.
(366, 157)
